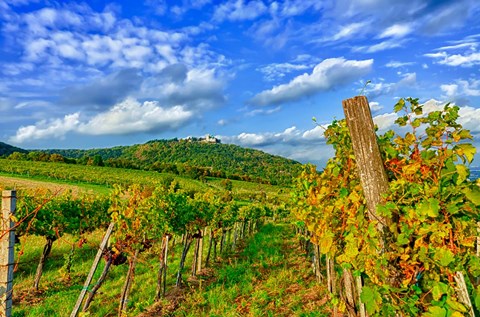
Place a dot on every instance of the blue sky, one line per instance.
(98, 74)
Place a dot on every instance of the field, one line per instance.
(60, 286)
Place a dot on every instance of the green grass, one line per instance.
(269, 278)
(101, 179)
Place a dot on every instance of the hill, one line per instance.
(7, 149)
(194, 159)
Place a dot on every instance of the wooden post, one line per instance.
(200, 250)
(348, 284)
(98, 257)
(367, 155)
(7, 241)
(359, 286)
(462, 292)
(373, 177)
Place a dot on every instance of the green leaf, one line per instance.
(402, 239)
(474, 268)
(476, 297)
(429, 208)
(462, 171)
(435, 311)
(444, 256)
(371, 298)
(473, 194)
(438, 290)
(456, 306)
(399, 105)
(343, 192)
(466, 150)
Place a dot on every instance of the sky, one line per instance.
(92, 74)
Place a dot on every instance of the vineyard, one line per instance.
(415, 253)
(401, 240)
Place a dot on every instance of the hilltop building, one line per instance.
(207, 139)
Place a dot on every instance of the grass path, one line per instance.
(270, 277)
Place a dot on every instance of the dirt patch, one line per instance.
(22, 183)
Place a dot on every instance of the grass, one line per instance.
(57, 294)
(101, 179)
(270, 277)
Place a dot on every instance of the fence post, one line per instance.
(7, 242)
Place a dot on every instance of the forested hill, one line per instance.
(7, 149)
(195, 159)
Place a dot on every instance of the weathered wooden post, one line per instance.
(373, 176)
(97, 259)
(367, 155)
(7, 242)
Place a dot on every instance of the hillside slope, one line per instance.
(196, 159)
(7, 149)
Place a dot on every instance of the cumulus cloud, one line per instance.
(302, 145)
(460, 90)
(131, 117)
(125, 118)
(198, 89)
(329, 74)
(45, 129)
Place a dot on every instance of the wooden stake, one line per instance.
(100, 251)
(367, 155)
(462, 293)
(7, 242)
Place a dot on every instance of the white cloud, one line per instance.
(463, 45)
(375, 90)
(257, 112)
(348, 31)
(293, 143)
(385, 121)
(131, 116)
(382, 46)
(397, 64)
(274, 72)
(290, 8)
(396, 30)
(239, 10)
(466, 60)
(127, 117)
(329, 74)
(462, 88)
(449, 90)
(375, 106)
(55, 128)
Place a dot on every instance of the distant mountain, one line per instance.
(195, 158)
(7, 149)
